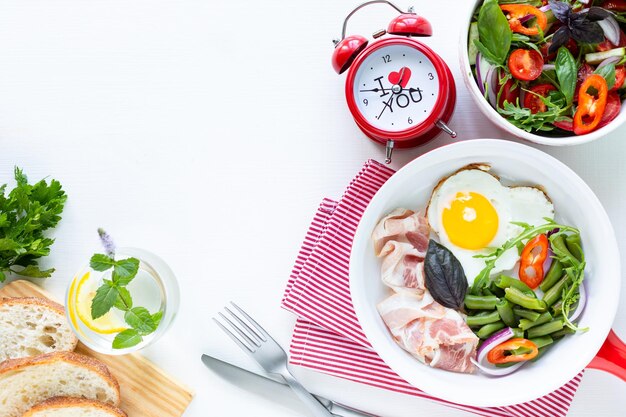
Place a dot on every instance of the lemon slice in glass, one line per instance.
(107, 324)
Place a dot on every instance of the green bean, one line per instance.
(563, 332)
(481, 302)
(524, 300)
(526, 314)
(525, 324)
(542, 341)
(488, 329)
(545, 329)
(482, 319)
(487, 292)
(557, 308)
(518, 333)
(574, 245)
(552, 276)
(495, 290)
(554, 294)
(504, 282)
(558, 245)
(505, 310)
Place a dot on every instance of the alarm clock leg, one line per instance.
(388, 151)
(441, 125)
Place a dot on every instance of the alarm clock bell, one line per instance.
(400, 92)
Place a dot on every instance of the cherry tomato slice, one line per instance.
(613, 107)
(503, 353)
(571, 45)
(614, 5)
(532, 258)
(526, 64)
(592, 98)
(533, 101)
(620, 76)
(510, 92)
(567, 125)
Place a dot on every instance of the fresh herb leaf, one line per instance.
(566, 73)
(445, 278)
(582, 26)
(125, 270)
(124, 300)
(104, 300)
(26, 213)
(101, 262)
(608, 72)
(524, 119)
(494, 32)
(140, 319)
(486, 53)
(156, 318)
(127, 338)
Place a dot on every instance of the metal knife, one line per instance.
(339, 409)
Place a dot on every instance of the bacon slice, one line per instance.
(401, 239)
(402, 268)
(435, 335)
(402, 225)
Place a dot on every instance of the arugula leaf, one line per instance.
(608, 72)
(140, 319)
(524, 119)
(125, 270)
(494, 32)
(26, 213)
(104, 300)
(127, 338)
(566, 73)
(101, 262)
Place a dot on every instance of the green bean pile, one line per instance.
(534, 315)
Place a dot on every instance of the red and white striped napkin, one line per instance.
(327, 336)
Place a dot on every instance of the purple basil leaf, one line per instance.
(561, 10)
(587, 32)
(559, 39)
(444, 276)
(597, 13)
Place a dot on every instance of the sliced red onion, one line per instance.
(549, 67)
(526, 18)
(610, 60)
(493, 341)
(479, 78)
(611, 30)
(583, 1)
(581, 302)
(553, 231)
(492, 81)
(547, 7)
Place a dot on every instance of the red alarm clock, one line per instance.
(399, 91)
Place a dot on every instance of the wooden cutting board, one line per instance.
(146, 390)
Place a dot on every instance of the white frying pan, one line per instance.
(574, 203)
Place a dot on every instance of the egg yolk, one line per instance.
(471, 221)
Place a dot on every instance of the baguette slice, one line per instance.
(31, 326)
(73, 407)
(25, 382)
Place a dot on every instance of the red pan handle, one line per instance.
(611, 357)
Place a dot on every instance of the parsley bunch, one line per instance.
(113, 293)
(25, 214)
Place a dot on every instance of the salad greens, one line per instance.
(26, 213)
(535, 62)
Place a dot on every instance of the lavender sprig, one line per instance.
(107, 243)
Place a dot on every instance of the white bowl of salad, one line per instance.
(552, 72)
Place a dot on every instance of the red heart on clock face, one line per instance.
(400, 77)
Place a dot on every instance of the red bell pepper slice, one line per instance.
(504, 352)
(592, 98)
(514, 12)
(533, 256)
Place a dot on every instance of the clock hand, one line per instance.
(387, 104)
(375, 90)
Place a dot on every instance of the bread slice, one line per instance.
(31, 326)
(73, 407)
(25, 382)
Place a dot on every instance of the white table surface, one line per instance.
(208, 131)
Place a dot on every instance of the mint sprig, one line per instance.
(114, 294)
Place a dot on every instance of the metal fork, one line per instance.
(255, 341)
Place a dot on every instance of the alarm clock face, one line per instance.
(396, 87)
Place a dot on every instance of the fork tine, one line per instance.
(251, 320)
(232, 336)
(251, 331)
(253, 343)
